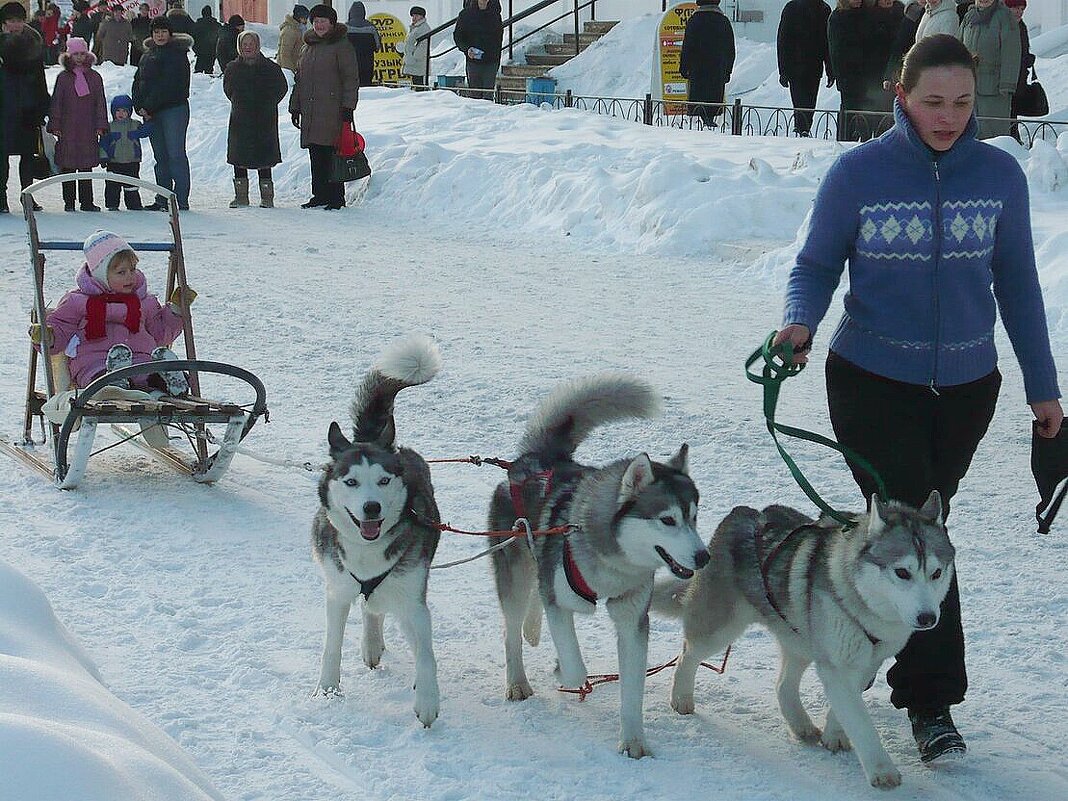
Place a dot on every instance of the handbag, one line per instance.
(1049, 465)
(41, 166)
(349, 162)
(1031, 101)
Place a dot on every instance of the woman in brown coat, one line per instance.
(325, 89)
(113, 38)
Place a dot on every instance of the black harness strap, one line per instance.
(371, 584)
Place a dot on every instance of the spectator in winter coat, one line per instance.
(255, 86)
(365, 40)
(963, 6)
(1027, 60)
(80, 24)
(326, 88)
(205, 41)
(226, 48)
(915, 348)
(478, 34)
(179, 19)
(992, 33)
(111, 320)
(905, 38)
(120, 152)
(142, 30)
(884, 21)
(416, 63)
(77, 118)
(291, 37)
(803, 57)
(114, 36)
(50, 34)
(24, 97)
(161, 95)
(847, 41)
(707, 59)
(940, 17)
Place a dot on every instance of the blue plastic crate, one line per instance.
(451, 81)
(541, 90)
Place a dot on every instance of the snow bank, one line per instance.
(62, 734)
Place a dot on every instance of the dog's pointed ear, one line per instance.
(681, 460)
(338, 442)
(878, 515)
(932, 507)
(638, 476)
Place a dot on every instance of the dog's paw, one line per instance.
(682, 703)
(884, 776)
(520, 691)
(426, 707)
(835, 740)
(571, 677)
(328, 691)
(809, 733)
(635, 748)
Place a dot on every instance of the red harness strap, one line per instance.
(515, 489)
(575, 578)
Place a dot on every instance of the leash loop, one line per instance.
(778, 365)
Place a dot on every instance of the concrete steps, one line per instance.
(513, 77)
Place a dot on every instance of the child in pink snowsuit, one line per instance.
(112, 321)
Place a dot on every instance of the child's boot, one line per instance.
(266, 193)
(240, 193)
(85, 196)
(175, 380)
(132, 198)
(119, 356)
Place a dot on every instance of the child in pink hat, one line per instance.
(112, 321)
(77, 118)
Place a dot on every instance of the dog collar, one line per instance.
(575, 578)
(371, 584)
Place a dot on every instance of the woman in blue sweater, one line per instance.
(936, 229)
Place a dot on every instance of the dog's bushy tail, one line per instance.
(668, 597)
(575, 408)
(407, 362)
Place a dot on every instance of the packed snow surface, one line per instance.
(161, 639)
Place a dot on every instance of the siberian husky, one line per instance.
(846, 598)
(631, 518)
(373, 535)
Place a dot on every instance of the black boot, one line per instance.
(935, 734)
(70, 195)
(85, 196)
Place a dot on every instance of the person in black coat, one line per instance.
(205, 40)
(226, 47)
(707, 58)
(365, 40)
(141, 25)
(803, 57)
(255, 86)
(478, 35)
(847, 41)
(24, 99)
(884, 23)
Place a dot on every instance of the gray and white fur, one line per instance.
(374, 535)
(632, 517)
(846, 599)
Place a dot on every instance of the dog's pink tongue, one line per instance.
(369, 529)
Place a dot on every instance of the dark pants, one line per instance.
(205, 63)
(333, 192)
(853, 127)
(263, 173)
(482, 75)
(803, 94)
(918, 441)
(83, 193)
(169, 128)
(112, 189)
(25, 171)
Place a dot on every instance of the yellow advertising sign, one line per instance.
(387, 60)
(667, 83)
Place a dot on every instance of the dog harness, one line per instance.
(371, 584)
(574, 577)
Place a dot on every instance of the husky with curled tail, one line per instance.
(631, 518)
(374, 535)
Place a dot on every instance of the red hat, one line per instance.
(1015, 3)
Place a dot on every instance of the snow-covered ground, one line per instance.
(535, 245)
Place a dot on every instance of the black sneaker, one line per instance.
(313, 203)
(935, 734)
(159, 205)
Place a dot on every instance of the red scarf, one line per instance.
(96, 313)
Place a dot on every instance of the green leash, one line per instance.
(779, 365)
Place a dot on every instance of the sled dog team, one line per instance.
(843, 598)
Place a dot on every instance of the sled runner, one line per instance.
(69, 417)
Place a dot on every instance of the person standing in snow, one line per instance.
(120, 152)
(940, 17)
(992, 33)
(205, 40)
(802, 49)
(161, 96)
(326, 88)
(141, 25)
(365, 40)
(77, 118)
(417, 54)
(226, 48)
(1027, 60)
(291, 38)
(179, 19)
(478, 35)
(255, 86)
(707, 59)
(912, 378)
(848, 32)
(114, 36)
(885, 21)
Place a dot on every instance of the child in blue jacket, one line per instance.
(120, 152)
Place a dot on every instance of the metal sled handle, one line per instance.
(78, 404)
(99, 175)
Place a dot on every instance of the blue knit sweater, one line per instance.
(926, 239)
